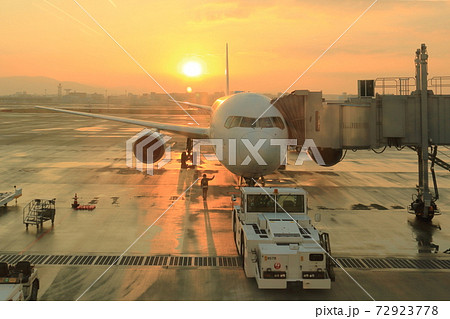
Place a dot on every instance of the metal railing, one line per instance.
(406, 85)
(395, 85)
(440, 84)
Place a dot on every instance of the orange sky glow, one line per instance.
(271, 42)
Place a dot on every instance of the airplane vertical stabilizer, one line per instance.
(227, 72)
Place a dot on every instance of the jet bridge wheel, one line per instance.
(427, 219)
(417, 207)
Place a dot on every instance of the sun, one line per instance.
(192, 69)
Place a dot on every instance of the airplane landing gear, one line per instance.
(251, 182)
(184, 158)
(187, 155)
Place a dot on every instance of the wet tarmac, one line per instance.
(362, 202)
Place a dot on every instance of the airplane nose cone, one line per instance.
(257, 154)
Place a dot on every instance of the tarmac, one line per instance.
(362, 203)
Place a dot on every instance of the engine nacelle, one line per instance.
(330, 156)
(149, 148)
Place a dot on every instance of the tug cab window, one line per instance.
(260, 203)
(291, 203)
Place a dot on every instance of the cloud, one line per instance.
(222, 11)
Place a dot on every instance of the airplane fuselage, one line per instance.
(233, 121)
(245, 123)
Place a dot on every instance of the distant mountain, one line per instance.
(38, 85)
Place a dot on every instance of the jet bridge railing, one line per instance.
(440, 84)
(394, 85)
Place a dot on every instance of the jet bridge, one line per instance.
(420, 121)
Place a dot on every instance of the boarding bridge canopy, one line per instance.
(365, 123)
(419, 120)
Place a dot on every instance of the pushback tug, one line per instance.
(277, 241)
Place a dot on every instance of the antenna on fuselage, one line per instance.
(227, 72)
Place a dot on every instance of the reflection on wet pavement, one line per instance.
(361, 201)
(423, 232)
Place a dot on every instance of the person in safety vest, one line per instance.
(204, 184)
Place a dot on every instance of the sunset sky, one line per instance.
(271, 42)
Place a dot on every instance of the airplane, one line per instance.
(235, 117)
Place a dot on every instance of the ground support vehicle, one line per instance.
(18, 282)
(277, 241)
(6, 197)
(38, 211)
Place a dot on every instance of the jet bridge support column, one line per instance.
(424, 197)
(419, 149)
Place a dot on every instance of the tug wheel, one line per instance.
(242, 251)
(34, 291)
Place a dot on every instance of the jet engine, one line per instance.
(330, 156)
(149, 148)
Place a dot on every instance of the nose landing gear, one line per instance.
(187, 155)
(251, 182)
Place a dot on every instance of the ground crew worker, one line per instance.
(204, 184)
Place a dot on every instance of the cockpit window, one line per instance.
(247, 122)
(236, 121)
(278, 122)
(263, 122)
(228, 121)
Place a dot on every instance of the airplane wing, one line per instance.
(189, 131)
(200, 106)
